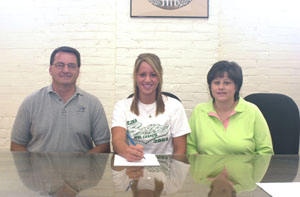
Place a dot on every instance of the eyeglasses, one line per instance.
(61, 65)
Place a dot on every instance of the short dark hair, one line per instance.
(234, 72)
(65, 49)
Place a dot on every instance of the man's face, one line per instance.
(64, 70)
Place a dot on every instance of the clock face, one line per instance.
(170, 4)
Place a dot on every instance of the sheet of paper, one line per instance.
(150, 160)
(290, 189)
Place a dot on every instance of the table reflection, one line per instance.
(59, 174)
(68, 174)
(282, 168)
(165, 179)
(228, 175)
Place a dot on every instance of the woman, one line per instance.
(156, 123)
(229, 173)
(165, 179)
(227, 124)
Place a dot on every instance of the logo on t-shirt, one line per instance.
(145, 134)
(80, 108)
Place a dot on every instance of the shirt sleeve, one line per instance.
(21, 129)
(262, 136)
(260, 166)
(179, 122)
(119, 115)
(191, 138)
(120, 179)
(100, 129)
(177, 175)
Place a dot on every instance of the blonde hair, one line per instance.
(154, 61)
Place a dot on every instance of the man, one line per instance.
(61, 117)
(59, 174)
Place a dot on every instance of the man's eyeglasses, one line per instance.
(61, 65)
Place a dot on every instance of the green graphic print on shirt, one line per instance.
(152, 132)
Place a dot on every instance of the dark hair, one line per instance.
(233, 193)
(66, 50)
(234, 72)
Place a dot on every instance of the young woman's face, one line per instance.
(223, 89)
(147, 81)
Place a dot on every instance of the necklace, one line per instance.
(147, 109)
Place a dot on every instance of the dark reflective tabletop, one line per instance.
(80, 174)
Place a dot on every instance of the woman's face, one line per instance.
(147, 82)
(223, 89)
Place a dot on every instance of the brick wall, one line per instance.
(263, 39)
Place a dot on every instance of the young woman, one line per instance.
(227, 124)
(156, 123)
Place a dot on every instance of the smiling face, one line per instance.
(223, 89)
(147, 82)
(67, 75)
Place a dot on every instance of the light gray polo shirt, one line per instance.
(48, 173)
(45, 123)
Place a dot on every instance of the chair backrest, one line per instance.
(282, 116)
(164, 93)
(288, 166)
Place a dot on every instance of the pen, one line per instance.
(131, 140)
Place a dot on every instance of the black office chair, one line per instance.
(164, 93)
(288, 165)
(282, 116)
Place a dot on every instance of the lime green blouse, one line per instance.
(243, 171)
(247, 131)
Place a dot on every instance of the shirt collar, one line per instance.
(240, 107)
(78, 91)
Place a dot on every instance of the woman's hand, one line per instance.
(134, 153)
(135, 172)
(129, 152)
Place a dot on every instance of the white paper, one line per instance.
(150, 160)
(290, 189)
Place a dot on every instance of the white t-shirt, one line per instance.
(171, 172)
(153, 132)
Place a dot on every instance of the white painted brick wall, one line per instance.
(263, 39)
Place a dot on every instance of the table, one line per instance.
(80, 174)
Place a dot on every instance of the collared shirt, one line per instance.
(247, 131)
(45, 123)
(243, 171)
(46, 174)
(225, 123)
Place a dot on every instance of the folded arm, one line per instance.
(101, 148)
(17, 147)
